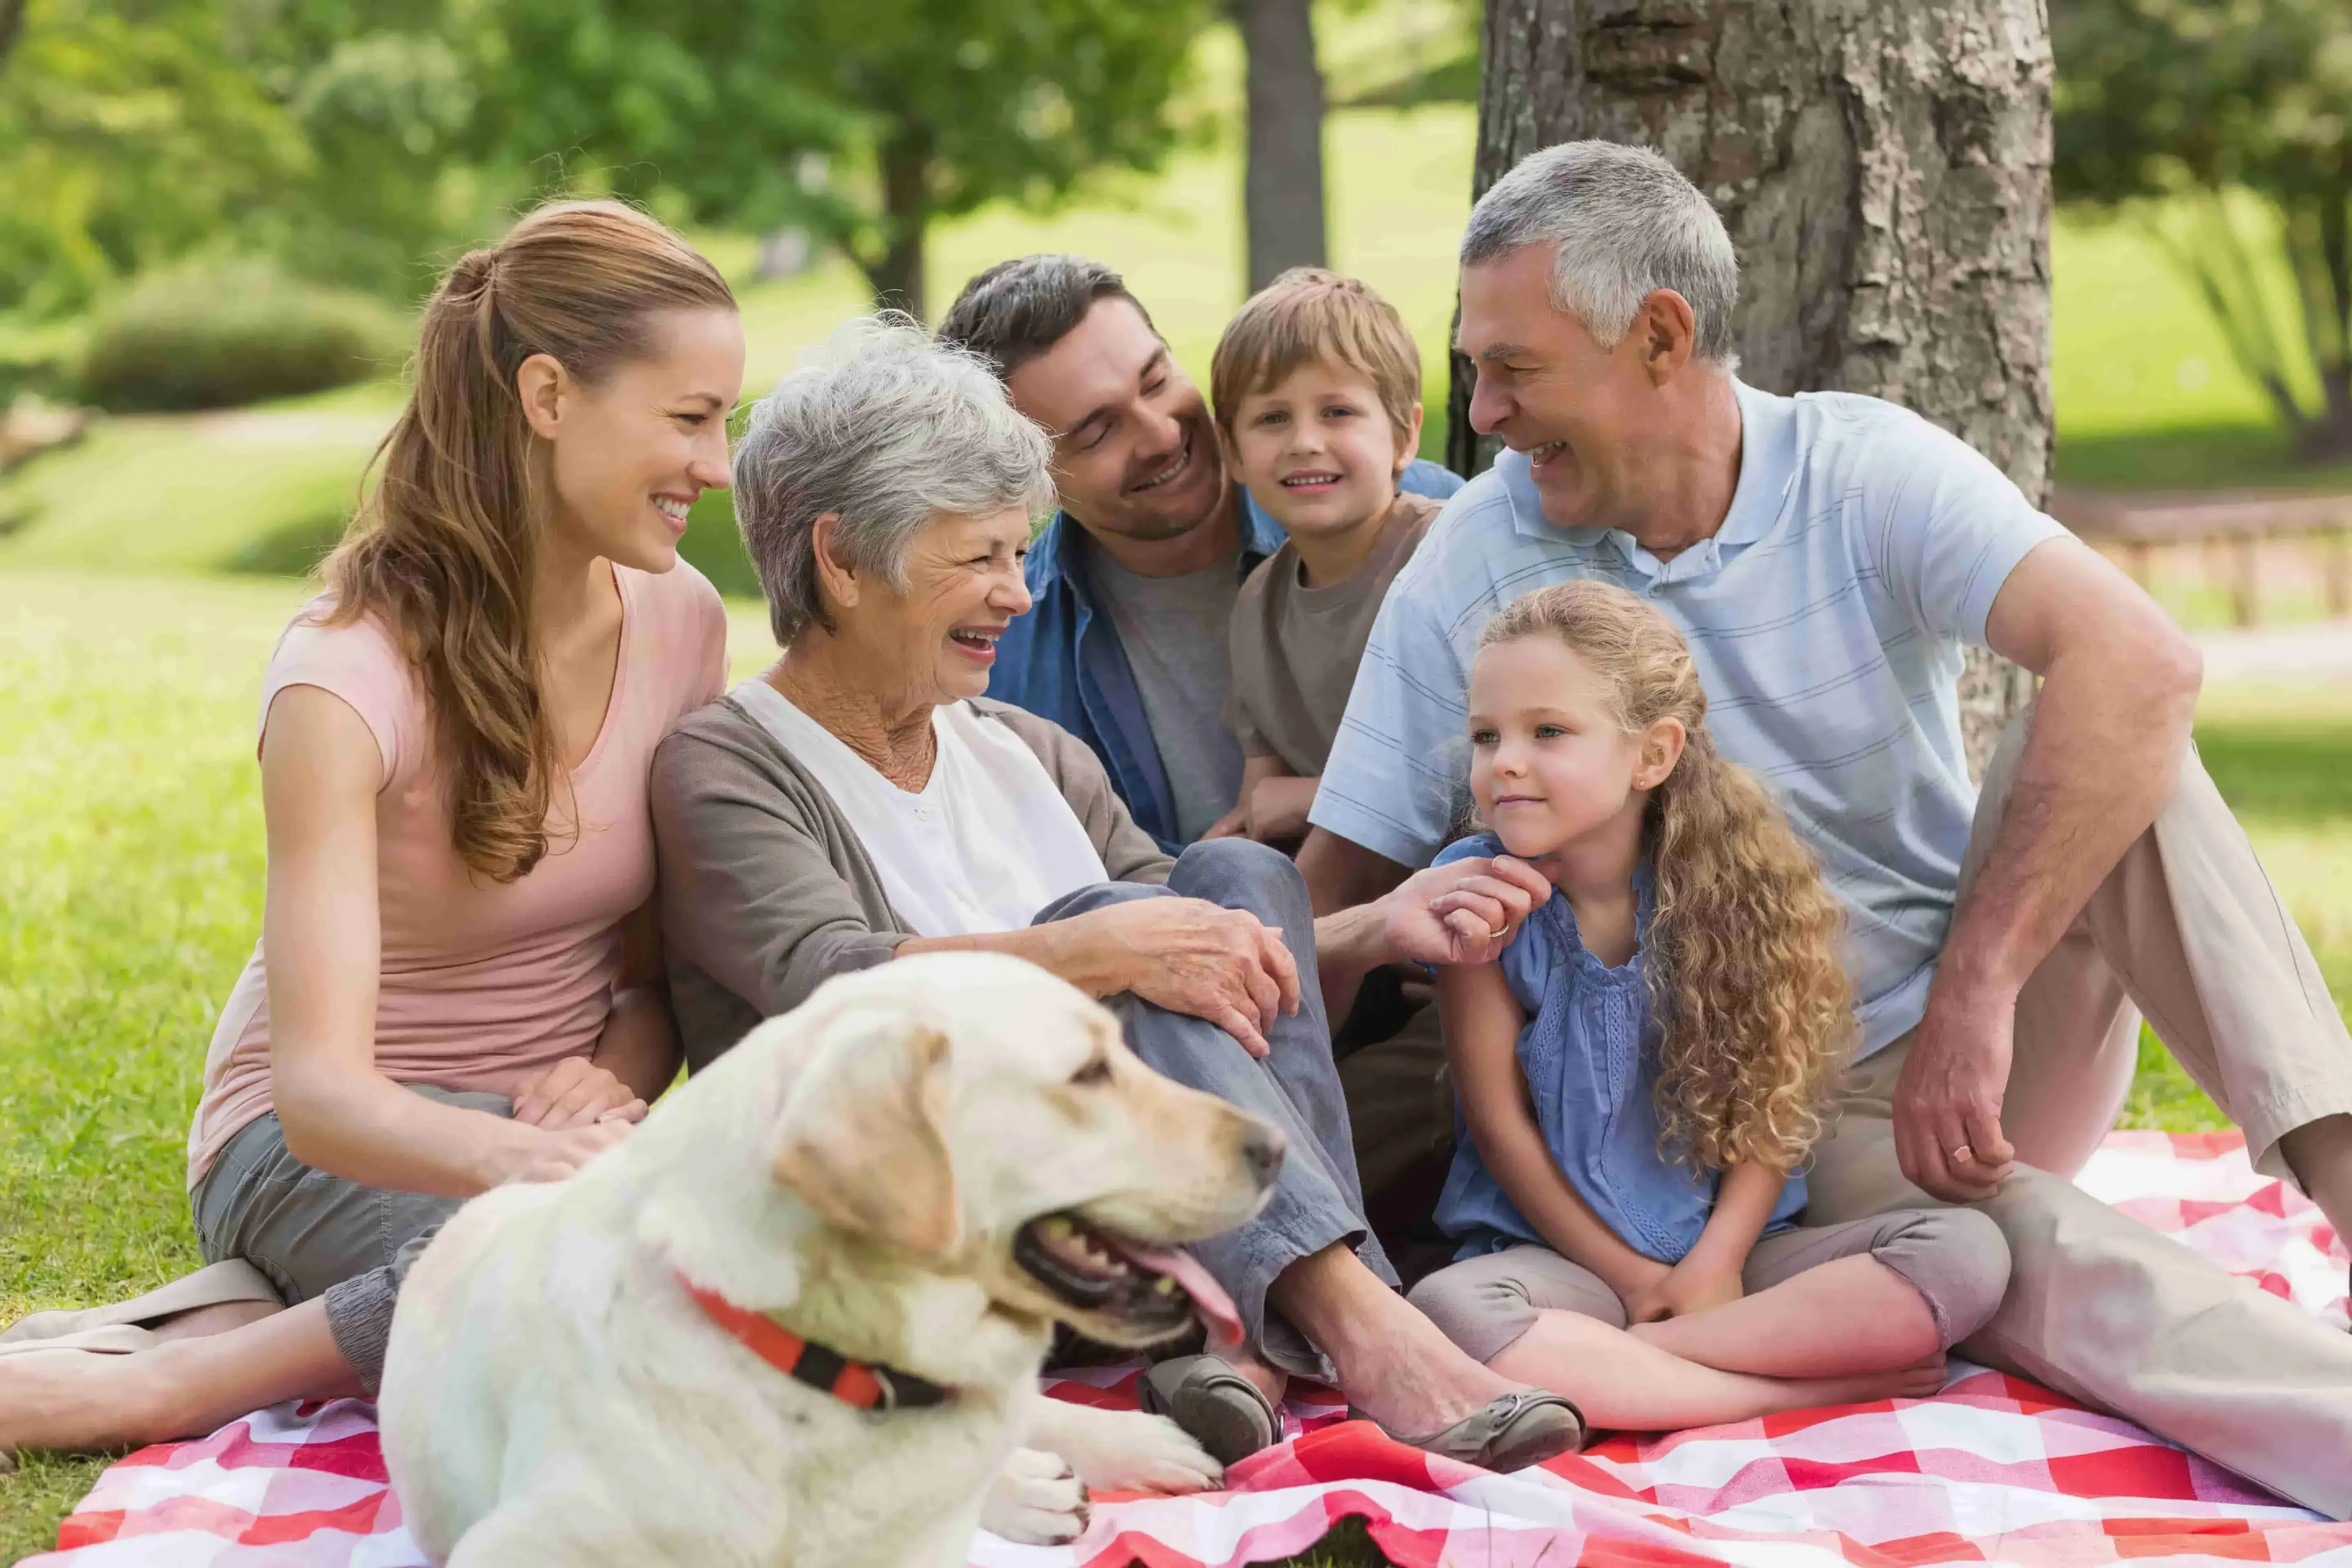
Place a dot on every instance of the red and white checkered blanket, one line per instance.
(1992, 1470)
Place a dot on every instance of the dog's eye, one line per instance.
(1093, 1072)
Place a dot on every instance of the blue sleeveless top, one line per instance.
(1590, 1054)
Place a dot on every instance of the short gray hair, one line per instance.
(1625, 223)
(886, 427)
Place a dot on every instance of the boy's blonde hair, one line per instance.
(1754, 1008)
(1307, 314)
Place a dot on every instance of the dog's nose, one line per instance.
(1262, 1150)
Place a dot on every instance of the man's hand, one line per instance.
(1462, 913)
(574, 1092)
(1201, 959)
(1947, 1132)
(1272, 811)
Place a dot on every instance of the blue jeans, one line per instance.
(1317, 1201)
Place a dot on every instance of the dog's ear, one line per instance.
(864, 1141)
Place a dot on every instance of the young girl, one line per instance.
(456, 984)
(1643, 1070)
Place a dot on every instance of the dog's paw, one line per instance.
(1139, 1453)
(1036, 1500)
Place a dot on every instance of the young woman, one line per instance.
(451, 987)
(1641, 1072)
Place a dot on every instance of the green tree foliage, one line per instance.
(135, 133)
(125, 136)
(2191, 100)
(860, 120)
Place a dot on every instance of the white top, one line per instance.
(984, 845)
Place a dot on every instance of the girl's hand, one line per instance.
(1690, 1290)
(1642, 1290)
(1681, 1290)
(574, 1092)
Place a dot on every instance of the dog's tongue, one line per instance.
(1218, 1314)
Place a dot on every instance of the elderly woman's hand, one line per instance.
(1194, 957)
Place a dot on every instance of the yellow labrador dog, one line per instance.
(797, 1317)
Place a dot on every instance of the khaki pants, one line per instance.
(2188, 929)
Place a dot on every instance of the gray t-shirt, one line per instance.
(1176, 633)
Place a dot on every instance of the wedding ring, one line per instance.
(1963, 1155)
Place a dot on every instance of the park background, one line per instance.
(266, 190)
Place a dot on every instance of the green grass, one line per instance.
(130, 894)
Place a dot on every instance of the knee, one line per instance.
(1481, 1312)
(1958, 1260)
(1241, 872)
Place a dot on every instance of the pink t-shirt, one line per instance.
(482, 982)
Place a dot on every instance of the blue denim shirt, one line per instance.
(1591, 1055)
(1063, 660)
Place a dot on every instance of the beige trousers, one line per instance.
(2188, 929)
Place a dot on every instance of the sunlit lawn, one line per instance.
(131, 890)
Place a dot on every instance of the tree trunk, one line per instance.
(897, 276)
(12, 24)
(1884, 169)
(1282, 182)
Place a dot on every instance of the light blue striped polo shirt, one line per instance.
(1863, 548)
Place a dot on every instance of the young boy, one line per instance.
(1316, 387)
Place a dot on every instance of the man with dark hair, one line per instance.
(1136, 576)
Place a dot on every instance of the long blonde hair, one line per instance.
(1753, 1009)
(443, 551)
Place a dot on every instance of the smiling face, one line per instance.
(1579, 410)
(1318, 452)
(1134, 454)
(1550, 763)
(628, 455)
(935, 641)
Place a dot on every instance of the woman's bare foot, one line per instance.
(78, 1399)
(184, 1387)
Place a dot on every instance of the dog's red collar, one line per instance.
(854, 1382)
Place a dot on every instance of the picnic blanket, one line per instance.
(1992, 1470)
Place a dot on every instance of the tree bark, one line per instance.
(1282, 182)
(1884, 168)
(12, 24)
(897, 275)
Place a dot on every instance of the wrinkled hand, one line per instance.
(1202, 960)
(1464, 911)
(541, 1156)
(1948, 1134)
(574, 1092)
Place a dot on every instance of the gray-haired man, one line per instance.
(1827, 556)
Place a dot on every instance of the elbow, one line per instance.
(306, 1106)
(2183, 668)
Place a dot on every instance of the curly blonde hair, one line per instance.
(1755, 1011)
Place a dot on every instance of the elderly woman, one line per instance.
(861, 801)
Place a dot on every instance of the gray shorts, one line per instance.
(317, 1235)
(1954, 1258)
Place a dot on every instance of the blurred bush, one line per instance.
(223, 336)
(714, 546)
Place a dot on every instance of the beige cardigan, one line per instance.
(766, 891)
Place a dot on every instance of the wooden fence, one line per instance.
(2228, 530)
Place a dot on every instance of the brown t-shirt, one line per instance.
(1295, 648)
